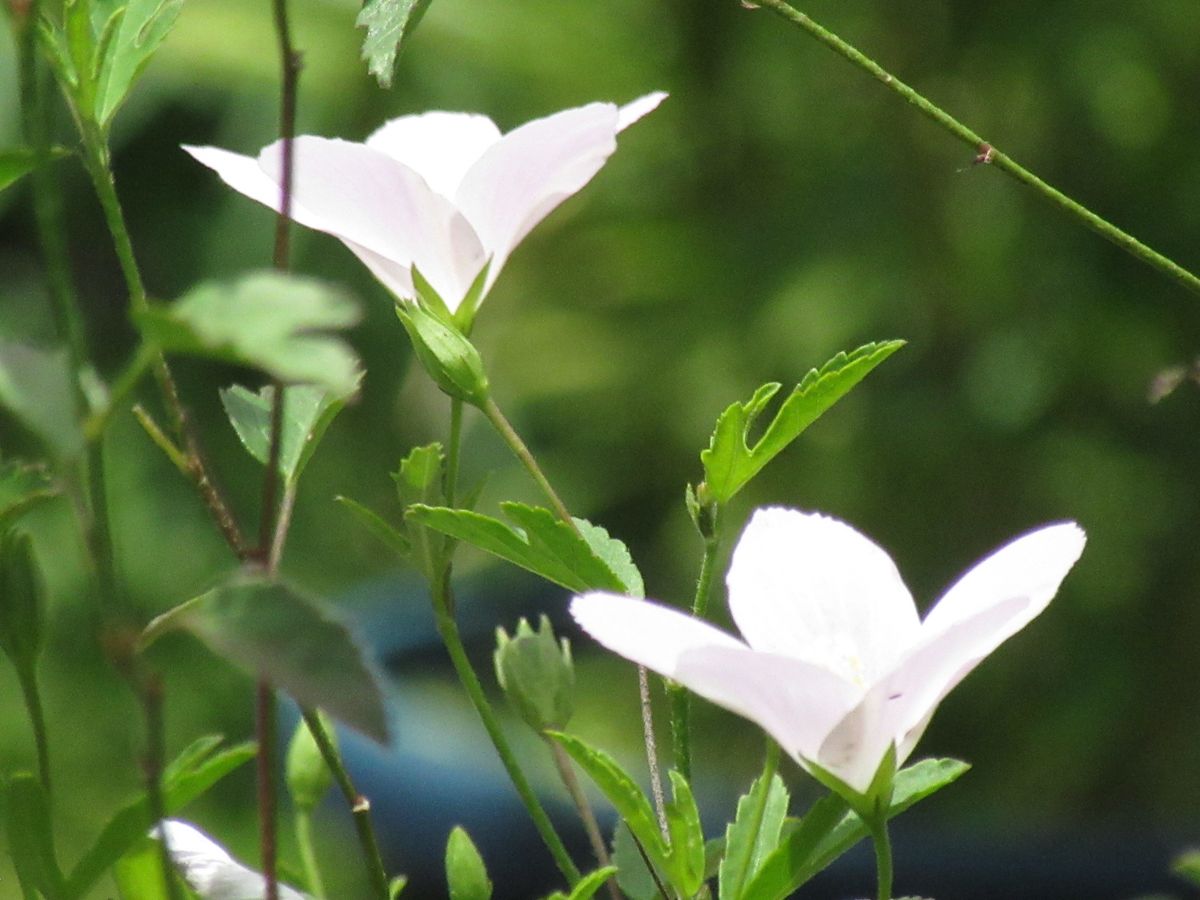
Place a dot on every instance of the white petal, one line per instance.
(794, 702)
(811, 587)
(368, 199)
(394, 276)
(635, 109)
(520, 179)
(438, 146)
(208, 869)
(242, 173)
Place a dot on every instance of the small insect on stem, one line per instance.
(985, 155)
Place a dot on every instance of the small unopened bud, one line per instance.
(445, 353)
(537, 675)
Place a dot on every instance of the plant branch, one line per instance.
(151, 692)
(986, 152)
(567, 773)
(264, 730)
(509, 434)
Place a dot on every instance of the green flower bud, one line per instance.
(22, 594)
(445, 353)
(308, 777)
(537, 675)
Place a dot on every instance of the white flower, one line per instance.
(442, 191)
(209, 870)
(836, 665)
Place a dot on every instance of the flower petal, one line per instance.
(208, 869)
(794, 702)
(811, 587)
(438, 146)
(635, 109)
(521, 178)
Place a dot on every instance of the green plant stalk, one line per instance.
(987, 153)
(566, 773)
(151, 693)
(302, 822)
(883, 855)
(453, 450)
(360, 806)
(679, 697)
(770, 765)
(448, 630)
(27, 676)
(264, 730)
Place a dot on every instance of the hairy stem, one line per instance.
(986, 152)
(883, 856)
(360, 806)
(566, 773)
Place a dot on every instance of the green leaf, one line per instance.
(139, 874)
(543, 544)
(622, 792)
(35, 386)
(752, 835)
(15, 164)
(125, 55)
(730, 462)
(633, 876)
(271, 630)
(614, 554)
(22, 598)
(388, 23)
(307, 413)
(685, 863)
(30, 839)
(376, 524)
(587, 886)
(829, 829)
(187, 777)
(466, 874)
(419, 480)
(307, 776)
(396, 886)
(278, 323)
(22, 486)
(1187, 866)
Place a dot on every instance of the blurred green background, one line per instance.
(779, 207)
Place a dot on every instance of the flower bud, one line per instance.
(308, 777)
(445, 353)
(536, 674)
(22, 594)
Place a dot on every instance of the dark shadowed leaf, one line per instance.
(35, 386)
(271, 630)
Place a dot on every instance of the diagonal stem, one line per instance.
(987, 153)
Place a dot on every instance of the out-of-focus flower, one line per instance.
(442, 191)
(836, 665)
(209, 870)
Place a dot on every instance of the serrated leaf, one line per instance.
(30, 838)
(622, 792)
(378, 526)
(752, 835)
(730, 462)
(22, 486)
(685, 862)
(420, 480)
(388, 23)
(543, 544)
(141, 29)
(307, 413)
(35, 386)
(829, 829)
(614, 554)
(187, 777)
(466, 874)
(281, 324)
(271, 630)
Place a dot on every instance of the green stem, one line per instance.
(144, 358)
(883, 856)
(264, 730)
(566, 773)
(302, 820)
(510, 436)
(448, 629)
(151, 691)
(98, 162)
(27, 676)
(987, 153)
(360, 806)
(677, 693)
(453, 449)
(770, 765)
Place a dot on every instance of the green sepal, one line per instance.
(730, 462)
(271, 630)
(466, 875)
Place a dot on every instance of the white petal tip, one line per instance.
(634, 110)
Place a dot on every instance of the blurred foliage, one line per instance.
(780, 207)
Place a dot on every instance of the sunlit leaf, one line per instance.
(753, 834)
(388, 23)
(466, 874)
(271, 630)
(730, 462)
(142, 26)
(307, 413)
(278, 323)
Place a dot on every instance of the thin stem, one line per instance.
(152, 708)
(268, 514)
(883, 856)
(302, 821)
(570, 781)
(264, 729)
(448, 629)
(656, 788)
(144, 358)
(453, 449)
(510, 436)
(770, 765)
(987, 153)
(679, 697)
(287, 507)
(27, 676)
(360, 806)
